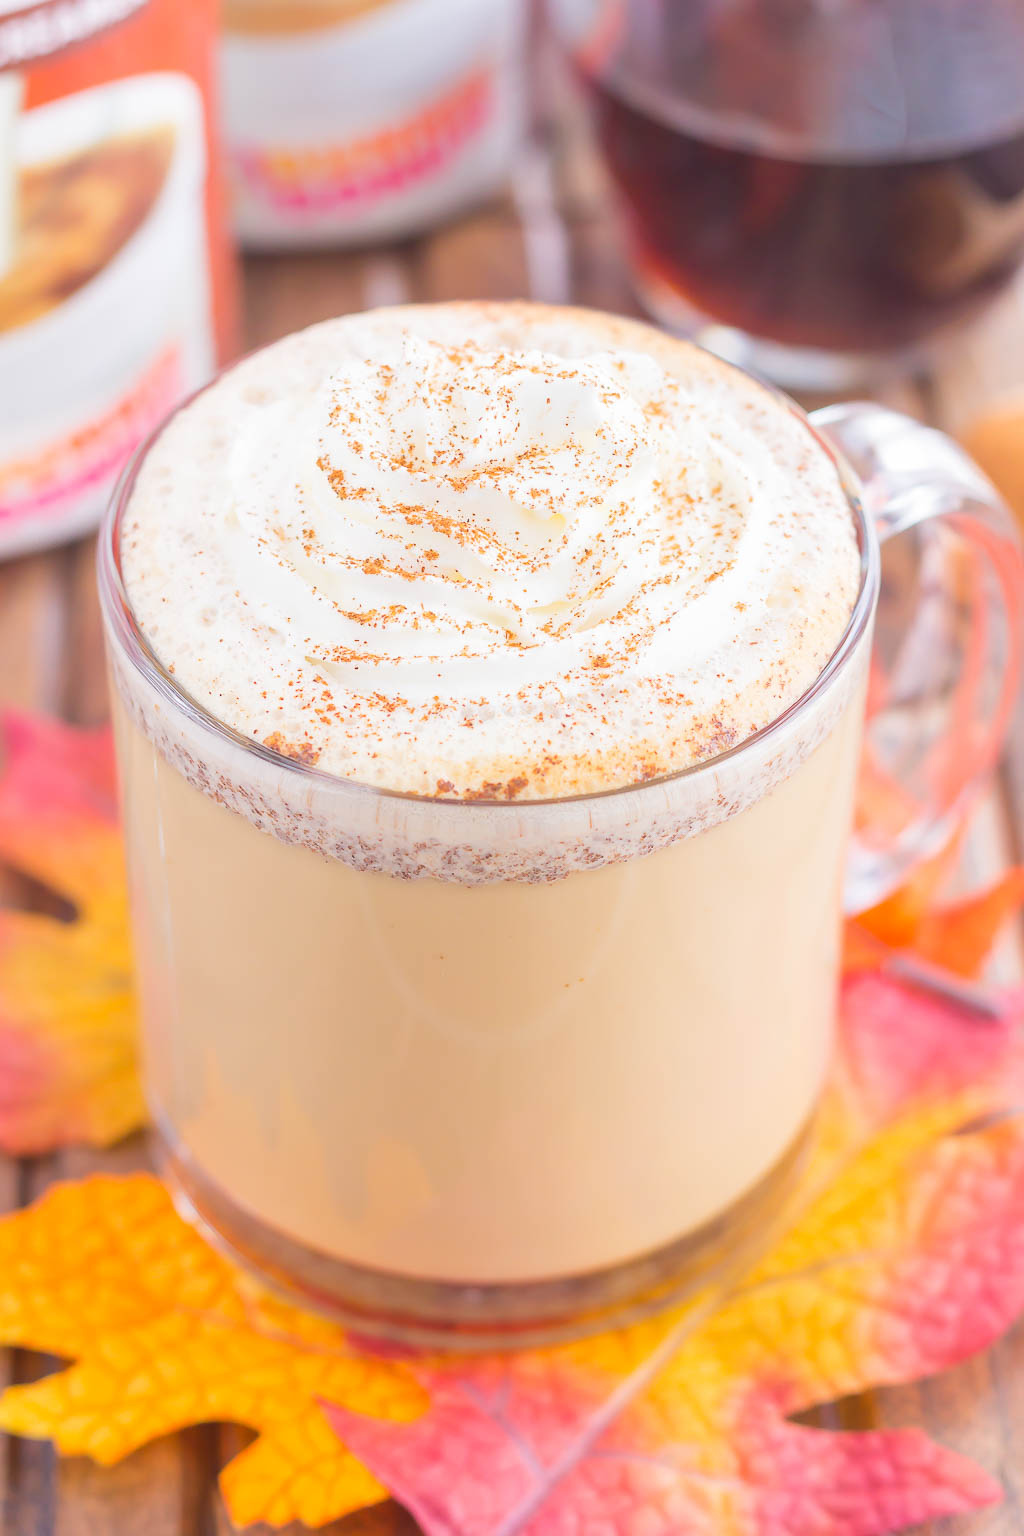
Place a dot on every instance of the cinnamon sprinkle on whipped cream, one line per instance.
(490, 551)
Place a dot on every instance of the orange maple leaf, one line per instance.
(67, 1014)
(166, 1333)
(958, 936)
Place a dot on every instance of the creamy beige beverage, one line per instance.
(420, 993)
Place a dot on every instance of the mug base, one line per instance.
(807, 370)
(462, 1317)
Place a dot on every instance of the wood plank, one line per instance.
(32, 631)
(85, 700)
(28, 1483)
(286, 292)
(161, 1490)
(481, 257)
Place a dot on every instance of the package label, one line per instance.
(373, 123)
(110, 291)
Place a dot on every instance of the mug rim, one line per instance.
(122, 626)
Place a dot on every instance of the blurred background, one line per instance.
(830, 192)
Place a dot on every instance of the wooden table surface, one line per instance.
(550, 238)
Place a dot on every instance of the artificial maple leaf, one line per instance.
(67, 1015)
(958, 936)
(166, 1333)
(906, 1254)
(861, 950)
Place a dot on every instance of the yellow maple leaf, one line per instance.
(166, 1333)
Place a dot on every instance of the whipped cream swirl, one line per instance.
(490, 550)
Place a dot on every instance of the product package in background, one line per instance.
(116, 284)
(358, 120)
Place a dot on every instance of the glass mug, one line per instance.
(468, 1110)
(814, 188)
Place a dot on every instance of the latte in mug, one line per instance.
(485, 878)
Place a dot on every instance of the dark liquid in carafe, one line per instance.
(837, 254)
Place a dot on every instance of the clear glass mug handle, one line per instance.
(946, 664)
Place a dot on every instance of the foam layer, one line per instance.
(490, 551)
